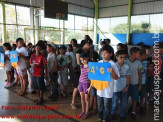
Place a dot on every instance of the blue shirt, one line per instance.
(143, 71)
(134, 67)
(120, 83)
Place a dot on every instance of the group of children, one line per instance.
(132, 74)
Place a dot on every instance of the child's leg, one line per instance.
(9, 76)
(123, 104)
(41, 94)
(107, 109)
(91, 102)
(115, 102)
(74, 95)
(87, 102)
(95, 103)
(100, 103)
(83, 101)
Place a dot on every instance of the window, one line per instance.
(90, 24)
(104, 25)
(70, 22)
(81, 23)
(10, 14)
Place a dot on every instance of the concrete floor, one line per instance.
(9, 97)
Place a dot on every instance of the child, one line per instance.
(135, 78)
(104, 97)
(63, 63)
(38, 63)
(144, 63)
(7, 65)
(52, 70)
(84, 84)
(74, 75)
(93, 91)
(22, 65)
(121, 86)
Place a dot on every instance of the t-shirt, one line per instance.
(84, 75)
(134, 67)
(50, 61)
(7, 65)
(120, 83)
(143, 70)
(22, 62)
(41, 62)
(108, 92)
(62, 61)
(73, 58)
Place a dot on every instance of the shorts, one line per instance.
(133, 92)
(142, 91)
(93, 91)
(63, 78)
(74, 77)
(38, 83)
(83, 87)
(21, 71)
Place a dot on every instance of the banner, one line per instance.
(14, 58)
(99, 75)
(2, 61)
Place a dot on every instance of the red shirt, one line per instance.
(41, 62)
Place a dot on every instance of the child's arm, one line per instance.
(25, 57)
(140, 79)
(62, 68)
(78, 59)
(55, 67)
(114, 75)
(127, 83)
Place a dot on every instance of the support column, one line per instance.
(129, 20)
(32, 25)
(3, 20)
(96, 3)
(37, 25)
(63, 33)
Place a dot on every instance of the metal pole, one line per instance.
(129, 20)
(4, 35)
(96, 4)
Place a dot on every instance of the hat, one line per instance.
(54, 46)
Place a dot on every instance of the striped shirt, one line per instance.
(84, 75)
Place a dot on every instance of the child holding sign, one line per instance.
(84, 84)
(104, 96)
(7, 64)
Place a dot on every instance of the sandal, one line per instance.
(85, 116)
(73, 106)
(81, 114)
(36, 100)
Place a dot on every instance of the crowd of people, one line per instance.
(46, 64)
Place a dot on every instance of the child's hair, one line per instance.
(142, 52)
(29, 44)
(75, 42)
(63, 47)
(14, 45)
(71, 49)
(87, 37)
(83, 42)
(19, 39)
(84, 55)
(108, 48)
(95, 56)
(121, 45)
(41, 42)
(7, 45)
(107, 40)
(121, 52)
(103, 43)
(134, 50)
(39, 45)
(145, 47)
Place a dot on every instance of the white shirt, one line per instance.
(108, 92)
(50, 61)
(7, 65)
(22, 62)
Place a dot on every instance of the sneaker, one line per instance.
(33, 92)
(8, 84)
(81, 114)
(122, 119)
(73, 106)
(40, 102)
(113, 117)
(133, 116)
(85, 116)
(99, 120)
